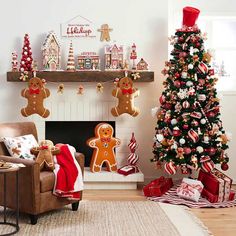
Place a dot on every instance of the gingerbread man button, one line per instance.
(104, 144)
(35, 94)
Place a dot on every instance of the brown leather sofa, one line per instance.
(35, 187)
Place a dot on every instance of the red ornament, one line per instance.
(201, 81)
(162, 99)
(210, 114)
(170, 168)
(182, 83)
(194, 123)
(176, 132)
(167, 106)
(187, 150)
(207, 164)
(177, 83)
(185, 126)
(224, 166)
(177, 75)
(202, 68)
(211, 72)
(211, 151)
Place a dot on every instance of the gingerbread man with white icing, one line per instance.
(35, 93)
(104, 144)
(125, 92)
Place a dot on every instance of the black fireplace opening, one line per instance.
(75, 133)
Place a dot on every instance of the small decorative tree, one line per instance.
(71, 59)
(26, 58)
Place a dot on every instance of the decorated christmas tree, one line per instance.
(189, 133)
(26, 58)
(71, 59)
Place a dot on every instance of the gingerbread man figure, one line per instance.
(104, 144)
(125, 94)
(35, 94)
(105, 32)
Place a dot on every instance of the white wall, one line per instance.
(132, 21)
(145, 23)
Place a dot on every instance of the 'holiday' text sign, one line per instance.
(79, 27)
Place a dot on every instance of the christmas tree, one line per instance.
(26, 58)
(71, 59)
(189, 132)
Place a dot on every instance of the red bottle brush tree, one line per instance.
(26, 58)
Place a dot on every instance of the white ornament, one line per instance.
(25, 53)
(206, 139)
(22, 62)
(200, 149)
(173, 122)
(190, 66)
(28, 59)
(201, 97)
(159, 137)
(183, 93)
(184, 75)
(182, 141)
(189, 83)
(25, 48)
(203, 121)
(22, 69)
(174, 146)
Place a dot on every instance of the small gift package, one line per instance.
(217, 186)
(157, 187)
(128, 169)
(190, 189)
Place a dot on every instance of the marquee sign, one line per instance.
(78, 27)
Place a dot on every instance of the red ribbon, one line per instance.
(189, 189)
(34, 91)
(105, 139)
(127, 91)
(44, 147)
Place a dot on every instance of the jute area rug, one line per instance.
(108, 218)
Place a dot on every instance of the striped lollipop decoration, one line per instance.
(133, 157)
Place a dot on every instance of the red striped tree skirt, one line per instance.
(172, 198)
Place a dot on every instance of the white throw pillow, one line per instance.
(20, 146)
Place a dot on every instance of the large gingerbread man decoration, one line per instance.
(104, 144)
(125, 94)
(35, 94)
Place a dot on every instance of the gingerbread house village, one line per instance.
(51, 50)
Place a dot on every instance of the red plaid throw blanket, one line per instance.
(68, 174)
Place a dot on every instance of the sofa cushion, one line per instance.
(20, 146)
(47, 180)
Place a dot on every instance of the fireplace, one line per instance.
(74, 133)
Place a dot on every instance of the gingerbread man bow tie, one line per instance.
(127, 91)
(44, 147)
(34, 91)
(105, 139)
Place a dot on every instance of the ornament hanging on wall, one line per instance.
(80, 90)
(35, 94)
(99, 88)
(125, 92)
(105, 32)
(60, 88)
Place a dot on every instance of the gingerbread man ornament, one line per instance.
(105, 32)
(125, 92)
(104, 144)
(35, 94)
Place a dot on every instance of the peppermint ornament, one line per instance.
(193, 135)
(186, 104)
(202, 68)
(207, 164)
(170, 168)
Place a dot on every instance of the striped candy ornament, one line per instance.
(133, 159)
(207, 164)
(193, 135)
(170, 168)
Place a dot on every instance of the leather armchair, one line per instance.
(35, 187)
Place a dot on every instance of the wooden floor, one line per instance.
(221, 222)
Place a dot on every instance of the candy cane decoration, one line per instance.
(204, 114)
(133, 157)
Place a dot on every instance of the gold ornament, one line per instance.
(206, 57)
(80, 90)
(99, 88)
(60, 88)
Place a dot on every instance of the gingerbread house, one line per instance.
(142, 65)
(88, 61)
(113, 57)
(51, 50)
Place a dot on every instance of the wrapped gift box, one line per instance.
(128, 169)
(190, 189)
(217, 186)
(157, 187)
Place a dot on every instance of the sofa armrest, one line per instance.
(29, 185)
(80, 159)
(17, 160)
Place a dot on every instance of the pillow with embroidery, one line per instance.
(20, 146)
